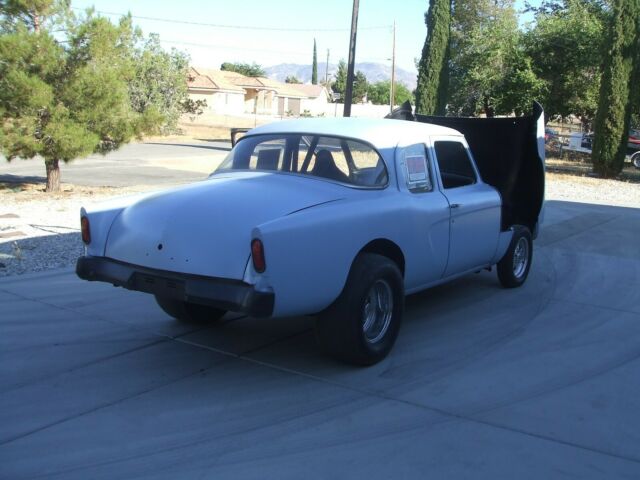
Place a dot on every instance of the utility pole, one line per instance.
(326, 72)
(393, 69)
(348, 94)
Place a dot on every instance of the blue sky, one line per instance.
(209, 46)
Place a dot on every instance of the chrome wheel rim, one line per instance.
(377, 311)
(520, 257)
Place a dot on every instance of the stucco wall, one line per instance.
(314, 105)
(221, 103)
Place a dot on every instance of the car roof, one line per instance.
(381, 133)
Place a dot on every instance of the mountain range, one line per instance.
(374, 72)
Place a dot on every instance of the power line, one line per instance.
(263, 50)
(228, 47)
(237, 27)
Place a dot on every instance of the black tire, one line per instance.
(189, 312)
(513, 268)
(635, 159)
(353, 331)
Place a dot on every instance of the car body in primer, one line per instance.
(300, 208)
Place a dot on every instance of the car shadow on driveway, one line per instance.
(52, 250)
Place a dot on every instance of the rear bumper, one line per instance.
(225, 294)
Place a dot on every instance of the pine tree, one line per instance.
(433, 70)
(617, 91)
(360, 86)
(339, 85)
(314, 67)
(65, 99)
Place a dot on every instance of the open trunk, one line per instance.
(509, 153)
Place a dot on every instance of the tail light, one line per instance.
(86, 230)
(257, 254)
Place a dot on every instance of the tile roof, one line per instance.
(241, 80)
(225, 80)
(211, 79)
(310, 90)
(282, 89)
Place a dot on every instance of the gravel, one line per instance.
(39, 231)
(584, 189)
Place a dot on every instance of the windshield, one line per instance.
(338, 159)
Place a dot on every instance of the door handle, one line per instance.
(455, 205)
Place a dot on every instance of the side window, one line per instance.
(454, 163)
(267, 155)
(416, 167)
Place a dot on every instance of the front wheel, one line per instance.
(514, 267)
(189, 312)
(362, 325)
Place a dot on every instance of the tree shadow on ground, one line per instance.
(19, 182)
(217, 140)
(192, 145)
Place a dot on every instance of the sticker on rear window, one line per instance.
(417, 168)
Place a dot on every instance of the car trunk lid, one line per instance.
(205, 228)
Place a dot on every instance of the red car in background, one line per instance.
(634, 147)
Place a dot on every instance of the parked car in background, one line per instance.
(583, 143)
(338, 218)
(634, 147)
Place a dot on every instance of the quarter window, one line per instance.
(416, 167)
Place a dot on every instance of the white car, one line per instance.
(339, 218)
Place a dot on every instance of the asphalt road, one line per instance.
(149, 163)
(540, 382)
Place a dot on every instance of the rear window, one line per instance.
(332, 158)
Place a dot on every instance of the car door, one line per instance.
(426, 214)
(474, 223)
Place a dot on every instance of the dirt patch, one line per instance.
(581, 167)
(35, 192)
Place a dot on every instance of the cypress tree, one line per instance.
(617, 90)
(635, 81)
(431, 92)
(314, 67)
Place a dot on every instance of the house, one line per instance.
(223, 97)
(231, 93)
(260, 96)
(316, 97)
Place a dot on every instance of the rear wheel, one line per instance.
(514, 267)
(189, 312)
(635, 159)
(362, 325)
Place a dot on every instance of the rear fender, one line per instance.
(99, 223)
(309, 254)
(101, 217)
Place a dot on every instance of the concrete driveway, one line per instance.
(534, 383)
